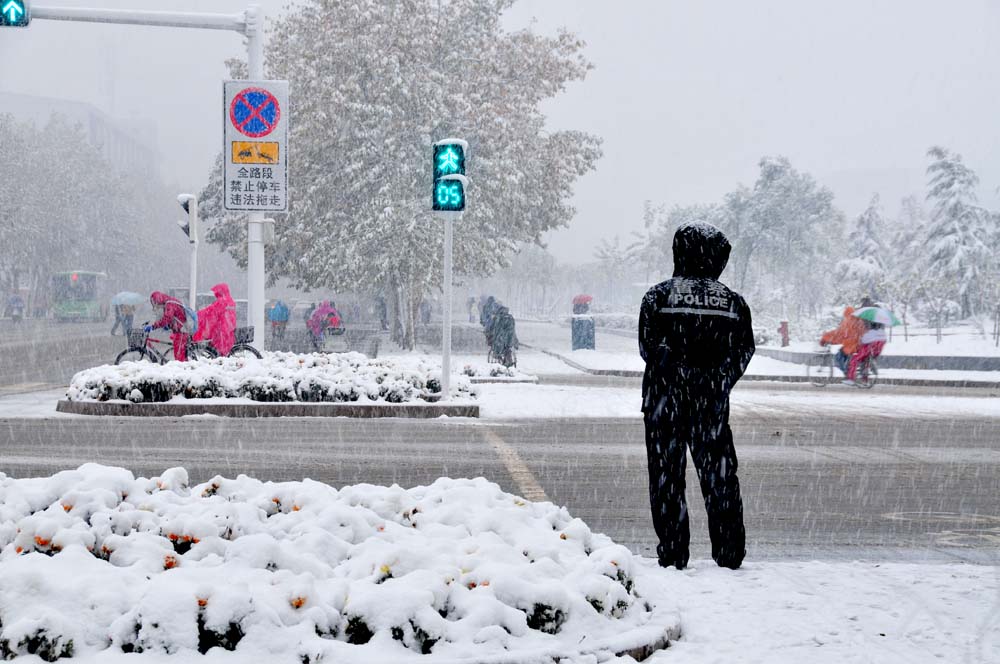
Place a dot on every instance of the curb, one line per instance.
(128, 409)
(500, 380)
(903, 382)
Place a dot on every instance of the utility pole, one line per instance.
(250, 24)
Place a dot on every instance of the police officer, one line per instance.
(696, 339)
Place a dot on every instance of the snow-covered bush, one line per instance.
(95, 560)
(279, 377)
(494, 370)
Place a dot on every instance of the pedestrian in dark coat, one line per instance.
(696, 339)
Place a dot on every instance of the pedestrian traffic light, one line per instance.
(448, 194)
(14, 13)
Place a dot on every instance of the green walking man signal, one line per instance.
(448, 194)
(14, 14)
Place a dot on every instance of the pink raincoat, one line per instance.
(172, 319)
(326, 315)
(217, 321)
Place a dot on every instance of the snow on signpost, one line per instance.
(256, 145)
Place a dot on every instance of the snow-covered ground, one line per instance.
(767, 366)
(535, 401)
(836, 613)
(301, 572)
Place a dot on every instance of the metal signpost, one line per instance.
(249, 23)
(448, 201)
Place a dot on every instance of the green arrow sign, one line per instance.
(14, 14)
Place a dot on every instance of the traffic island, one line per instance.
(280, 384)
(97, 564)
(181, 408)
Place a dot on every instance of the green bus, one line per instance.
(79, 295)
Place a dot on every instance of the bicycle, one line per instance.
(822, 363)
(142, 348)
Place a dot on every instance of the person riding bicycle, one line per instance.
(848, 335)
(325, 315)
(279, 315)
(173, 318)
(217, 321)
(872, 343)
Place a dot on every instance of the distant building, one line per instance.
(124, 144)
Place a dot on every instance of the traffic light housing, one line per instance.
(448, 194)
(189, 224)
(14, 13)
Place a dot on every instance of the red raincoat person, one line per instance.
(173, 319)
(217, 321)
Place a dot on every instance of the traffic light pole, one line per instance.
(250, 24)
(449, 219)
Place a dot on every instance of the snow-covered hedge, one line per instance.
(279, 377)
(495, 371)
(96, 562)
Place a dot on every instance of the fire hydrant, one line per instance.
(783, 331)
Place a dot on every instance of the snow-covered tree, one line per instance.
(905, 275)
(863, 272)
(959, 233)
(614, 261)
(374, 84)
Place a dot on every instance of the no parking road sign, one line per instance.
(256, 145)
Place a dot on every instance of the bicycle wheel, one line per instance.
(138, 355)
(200, 351)
(818, 370)
(867, 375)
(245, 351)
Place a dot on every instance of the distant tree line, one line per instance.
(795, 253)
(63, 207)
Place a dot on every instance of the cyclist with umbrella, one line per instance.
(873, 341)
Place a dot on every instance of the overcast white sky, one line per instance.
(687, 95)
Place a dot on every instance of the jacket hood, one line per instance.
(221, 292)
(848, 311)
(700, 250)
(159, 299)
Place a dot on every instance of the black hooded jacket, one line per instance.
(695, 333)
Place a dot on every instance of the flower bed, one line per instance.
(95, 562)
(279, 377)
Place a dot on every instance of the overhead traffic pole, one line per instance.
(250, 24)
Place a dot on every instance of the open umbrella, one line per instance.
(878, 315)
(583, 299)
(128, 298)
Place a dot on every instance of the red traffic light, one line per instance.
(74, 276)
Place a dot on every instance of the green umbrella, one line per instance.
(878, 315)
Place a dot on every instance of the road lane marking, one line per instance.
(525, 480)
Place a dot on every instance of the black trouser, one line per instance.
(707, 434)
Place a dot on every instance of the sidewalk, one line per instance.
(619, 356)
